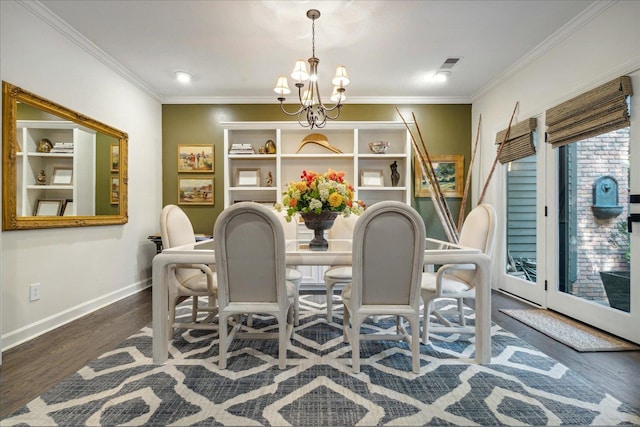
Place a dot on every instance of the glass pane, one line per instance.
(593, 207)
(521, 218)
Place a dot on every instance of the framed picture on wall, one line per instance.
(114, 157)
(115, 189)
(195, 158)
(195, 191)
(449, 171)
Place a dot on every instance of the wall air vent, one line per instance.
(449, 63)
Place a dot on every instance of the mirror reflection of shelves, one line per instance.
(58, 176)
(348, 151)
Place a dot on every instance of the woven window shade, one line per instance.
(520, 142)
(600, 110)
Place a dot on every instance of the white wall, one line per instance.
(605, 47)
(80, 269)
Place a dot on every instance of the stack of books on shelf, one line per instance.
(62, 147)
(241, 149)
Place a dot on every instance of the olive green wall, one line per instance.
(104, 174)
(446, 129)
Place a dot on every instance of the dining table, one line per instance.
(297, 252)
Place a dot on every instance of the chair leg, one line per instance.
(222, 346)
(171, 320)
(282, 343)
(463, 320)
(296, 306)
(194, 309)
(345, 324)
(415, 344)
(355, 343)
(428, 307)
(330, 285)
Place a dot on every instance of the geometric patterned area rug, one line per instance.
(521, 386)
(570, 332)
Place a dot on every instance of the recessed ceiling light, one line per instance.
(183, 77)
(441, 76)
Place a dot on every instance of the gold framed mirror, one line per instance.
(59, 167)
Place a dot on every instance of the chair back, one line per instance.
(343, 227)
(175, 227)
(250, 255)
(388, 255)
(176, 230)
(478, 231)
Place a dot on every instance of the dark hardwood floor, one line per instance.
(33, 367)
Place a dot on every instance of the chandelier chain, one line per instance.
(313, 37)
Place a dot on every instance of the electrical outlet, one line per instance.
(34, 291)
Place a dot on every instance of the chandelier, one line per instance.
(313, 112)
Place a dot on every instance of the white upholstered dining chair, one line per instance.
(337, 275)
(454, 280)
(250, 265)
(387, 257)
(186, 280)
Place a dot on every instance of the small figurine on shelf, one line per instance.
(44, 146)
(270, 147)
(395, 175)
(269, 179)
(42, 178)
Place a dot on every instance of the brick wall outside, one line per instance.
(599, 156)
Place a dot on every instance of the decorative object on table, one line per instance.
(270, 147)
(379, 147)
(318, 139)
(44, 146)
(395, 175)
(195, 158)
(42, 178)
(269, 179)
(319, 223)
(316, 194)
(261, 150)
(312, 112)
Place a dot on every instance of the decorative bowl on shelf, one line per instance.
(379, 147)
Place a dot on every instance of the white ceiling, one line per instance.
(235, 50)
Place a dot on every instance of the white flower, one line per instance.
(315, 204)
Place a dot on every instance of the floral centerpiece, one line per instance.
(320, 193)
(319, 199)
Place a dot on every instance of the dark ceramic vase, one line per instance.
(318, 223)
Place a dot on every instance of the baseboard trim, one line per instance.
(45, 325)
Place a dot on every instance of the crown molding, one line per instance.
(400, 100)
(47, 16)
(571, 27)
